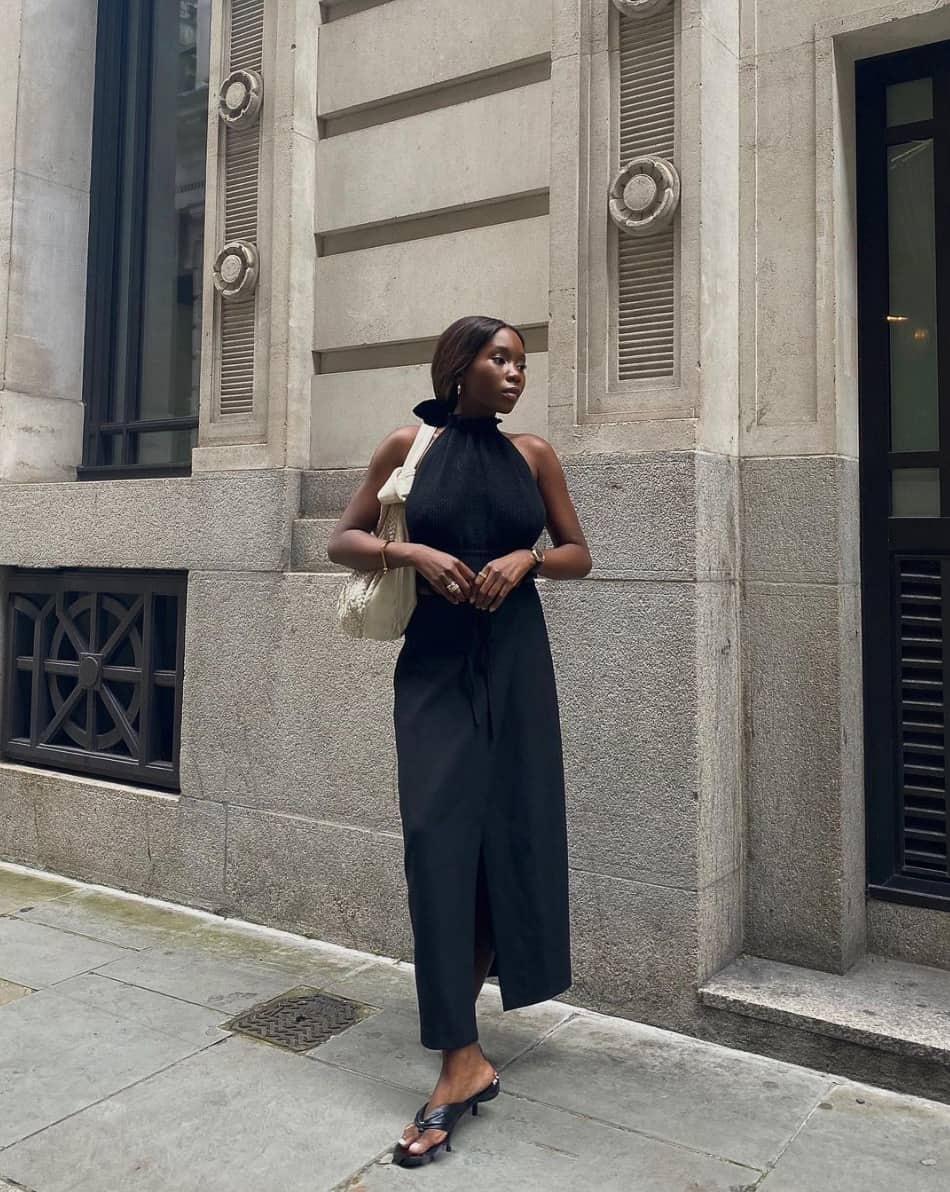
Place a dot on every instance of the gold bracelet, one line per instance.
(382, 551)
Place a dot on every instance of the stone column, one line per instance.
(45, 145)
(644, 412)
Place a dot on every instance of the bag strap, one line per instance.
(419, 444)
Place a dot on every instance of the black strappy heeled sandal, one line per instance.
(443, 1117)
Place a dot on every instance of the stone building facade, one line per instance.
(225, 262)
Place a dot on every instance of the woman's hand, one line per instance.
(440, 568)
(497, 578)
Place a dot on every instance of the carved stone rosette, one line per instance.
(644, 196)
(641, 8)
(239, 98)
(235, 269)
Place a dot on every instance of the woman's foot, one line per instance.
(465, 1071)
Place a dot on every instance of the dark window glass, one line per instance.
(145, 248)
(903, 187)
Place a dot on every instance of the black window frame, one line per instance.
(892, 547)
(123, 69)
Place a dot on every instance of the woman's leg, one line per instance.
(465, 1070)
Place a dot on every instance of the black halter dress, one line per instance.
(478, 740)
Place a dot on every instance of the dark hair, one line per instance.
(457, 347)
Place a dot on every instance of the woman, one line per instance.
(478, 739)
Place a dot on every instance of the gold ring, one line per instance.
(452, 586)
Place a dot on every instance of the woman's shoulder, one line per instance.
(394, 447)
(534, 446)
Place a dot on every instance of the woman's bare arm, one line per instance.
(570, 557)
(352, 542)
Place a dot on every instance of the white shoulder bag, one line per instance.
(378, 604)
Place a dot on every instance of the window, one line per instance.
(143, 315)
(903, 152)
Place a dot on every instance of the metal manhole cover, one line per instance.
(299, 1019)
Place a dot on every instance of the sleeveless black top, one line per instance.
(474, 494)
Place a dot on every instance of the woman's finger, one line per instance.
(500, 599)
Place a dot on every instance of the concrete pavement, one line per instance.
(118, 1075)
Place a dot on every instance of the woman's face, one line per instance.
(496, 377)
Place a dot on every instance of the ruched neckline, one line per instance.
(474, 423)
(438, 413)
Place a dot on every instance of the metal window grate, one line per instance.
(94, 664)
(921, 746)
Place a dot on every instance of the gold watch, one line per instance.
(537, 553)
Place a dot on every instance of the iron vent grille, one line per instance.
(241, 203)
(921, 740)
(93, 681)
(646, 313)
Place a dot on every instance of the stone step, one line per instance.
(894, 1014)
(308, 549)
(325, 492)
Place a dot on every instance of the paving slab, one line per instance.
(873, 1140)
(126, 922)
(390, 986)
(60, 1055)
(34, 955)
(386, 1045)
(24, 889)
(157, 1011)
(520, 1144)
(9, 992)
(503, 1033)
(724, 1102)
(313, 962)
(194, 975)
(241, 1116)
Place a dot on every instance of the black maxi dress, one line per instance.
(478, 742)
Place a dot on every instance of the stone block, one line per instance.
(800, 519)
(418, 182)
(282, 710)
(383, 51)
(47, 289)
(805, 903)
(720, 827)
(633, 950)
(309, 548)
(918, 934)
(398, 291)
(130, 837)
(350, 417)
(40, 437)
(337, 883)
(625, 657)
(238, 521)
(54, 140)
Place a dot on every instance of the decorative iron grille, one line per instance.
(94, 663)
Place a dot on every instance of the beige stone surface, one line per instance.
(385, 51)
